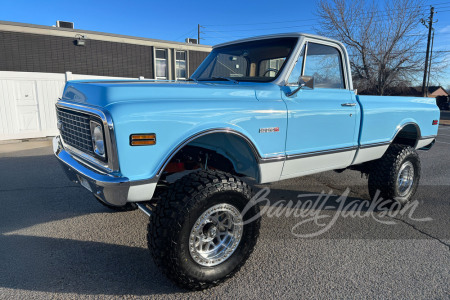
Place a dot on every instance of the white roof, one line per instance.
(278, 35)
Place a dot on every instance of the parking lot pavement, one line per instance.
(57, 242)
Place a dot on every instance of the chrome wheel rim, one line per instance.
(215, 235)
(405, 179)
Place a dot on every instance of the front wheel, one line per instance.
(396, 175)
(199, 236)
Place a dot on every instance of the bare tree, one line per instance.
(383, 42)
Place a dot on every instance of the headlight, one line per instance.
(98, 142)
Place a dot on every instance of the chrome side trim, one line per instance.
(112, 165)
(272, 159)
(322, 152)
(420, 137)
(365, 146)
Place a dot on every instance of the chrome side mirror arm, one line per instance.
(292, 93)
(303, 81)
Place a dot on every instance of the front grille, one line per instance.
(75, 130)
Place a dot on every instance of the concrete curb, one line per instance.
(41, 139)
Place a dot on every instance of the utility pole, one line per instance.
(198, 34)
(430, 28)
(429, 66)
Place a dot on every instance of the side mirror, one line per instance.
(303, 81)
(306, 81)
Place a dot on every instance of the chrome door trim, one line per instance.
(322, 152)
(372, 145)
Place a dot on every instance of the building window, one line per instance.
(180, 64)
(161, 63)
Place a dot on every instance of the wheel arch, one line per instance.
(241, 151)
(407, 134)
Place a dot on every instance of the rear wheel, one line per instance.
(396, 175)
(198, 236)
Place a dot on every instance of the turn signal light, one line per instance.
(435, 122)
(144, 139)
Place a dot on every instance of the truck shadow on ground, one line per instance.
(34, 190)
(59, 265)
(40, 263)
(82, 267)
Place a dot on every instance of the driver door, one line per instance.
(322, 122)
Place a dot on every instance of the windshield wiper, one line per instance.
(226, 78)
(192, 79)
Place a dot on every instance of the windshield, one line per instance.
(260, 61)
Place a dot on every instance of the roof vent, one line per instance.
(64, 24)
(191, 41)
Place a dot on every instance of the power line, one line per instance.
(186, 34)
(413, 52)
(225, 34)
(315, 19)
(425, 34)
(277, 22)
(377, 19)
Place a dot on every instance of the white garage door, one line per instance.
(27, 103)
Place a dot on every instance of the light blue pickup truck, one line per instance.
(258, 110)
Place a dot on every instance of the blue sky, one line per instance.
(176, 20)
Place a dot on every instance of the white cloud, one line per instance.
(445, 29)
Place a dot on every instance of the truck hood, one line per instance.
(104, 93)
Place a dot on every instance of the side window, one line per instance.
(161, 63)
(325, 64)
(297, 71)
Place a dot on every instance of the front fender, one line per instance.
(177, 123)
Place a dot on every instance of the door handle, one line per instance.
(348, 104)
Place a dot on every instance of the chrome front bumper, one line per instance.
(112, 190)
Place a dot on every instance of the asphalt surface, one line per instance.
(445, 115)
(56, 241)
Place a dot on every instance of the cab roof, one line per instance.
(278, 35)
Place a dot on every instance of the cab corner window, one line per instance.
(325, 64)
